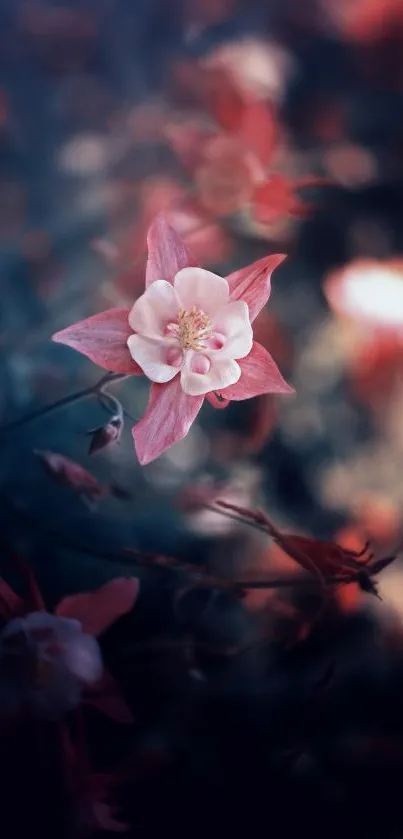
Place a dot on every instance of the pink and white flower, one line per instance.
(50, 663)
(45, 662)
(190, 333)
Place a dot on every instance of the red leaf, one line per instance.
(98, 610)
(326, 558)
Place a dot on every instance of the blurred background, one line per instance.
(114, 110)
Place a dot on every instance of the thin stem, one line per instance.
(72, 398)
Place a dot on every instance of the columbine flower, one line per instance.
(51, 663)
(45, 662)
(190, 333)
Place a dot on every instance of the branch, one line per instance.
(78, 396)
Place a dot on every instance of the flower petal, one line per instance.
(252, 283)
(169, 415)
(233, 323)
(222, 373)
(97, 610)
(154, 309)
(103, 339)
(152, 358)
(84, 660)
(274, 199)
(259, 130)
(201, 288)
(10, 603)
(167, 252)
(259, 374)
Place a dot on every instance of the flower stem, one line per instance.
(72, 398)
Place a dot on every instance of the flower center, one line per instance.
(192, 329)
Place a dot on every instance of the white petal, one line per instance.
(61, 694)
(233, 323)
(152, 357)
(222, 373)
(200, 288)
(84, 660)
(157, 307)
(63, 628)
(13, 627)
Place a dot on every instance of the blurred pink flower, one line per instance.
(259, 67)
(234, 165)
(50, 663)
(370, 292)
(127, 254)
(228, 175)
(45, 661)
(190, 333)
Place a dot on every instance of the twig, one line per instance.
(72, 398)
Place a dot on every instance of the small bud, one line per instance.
(69, 474)
(107, 434)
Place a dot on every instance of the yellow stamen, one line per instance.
(193, 329)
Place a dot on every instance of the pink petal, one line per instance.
(273, 199)
(222, 373)
(201, 288)
(154, 309)
(98, 610)
(259, 130)
(259, 374)
(233, 323)
(214, 400)
(103, 339)
(153, 358)
(252, 283)
(10, 604)
(169, 415)
(106, 698)
(167, 252)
